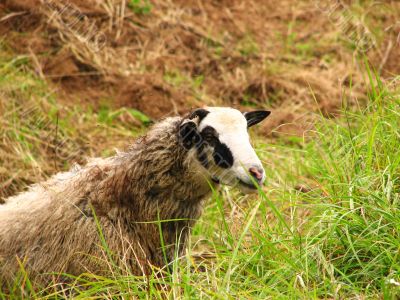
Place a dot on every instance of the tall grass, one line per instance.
(336, 237)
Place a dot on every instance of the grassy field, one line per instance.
(327, 223)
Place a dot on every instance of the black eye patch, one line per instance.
(222, 156)
(209, 135)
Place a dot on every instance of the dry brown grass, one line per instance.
(39, 137)
(219, 52)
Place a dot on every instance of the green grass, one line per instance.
(140, 7)
(339, 237)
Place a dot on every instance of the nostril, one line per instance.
(257, 173)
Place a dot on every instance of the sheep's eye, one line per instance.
(209, 134)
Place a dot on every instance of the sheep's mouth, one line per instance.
(240, 182)
(248, 185)
(215, 180)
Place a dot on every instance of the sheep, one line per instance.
(159, 184)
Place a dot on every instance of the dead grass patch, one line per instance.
(278, 54)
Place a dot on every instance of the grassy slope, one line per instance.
(335, 235)
(38, 136)
(326, 227)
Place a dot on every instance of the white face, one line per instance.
(224, 147)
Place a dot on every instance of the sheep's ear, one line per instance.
(255, 117)
(188, 134)
(188, 130)
(199, 113)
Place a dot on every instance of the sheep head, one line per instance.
(217, 137)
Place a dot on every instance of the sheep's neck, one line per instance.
(154, 181)
(159, 181)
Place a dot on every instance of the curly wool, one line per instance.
(52, 227)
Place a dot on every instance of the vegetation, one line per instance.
(326, 226)
(140, 6)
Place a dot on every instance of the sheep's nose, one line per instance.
(257, 173)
